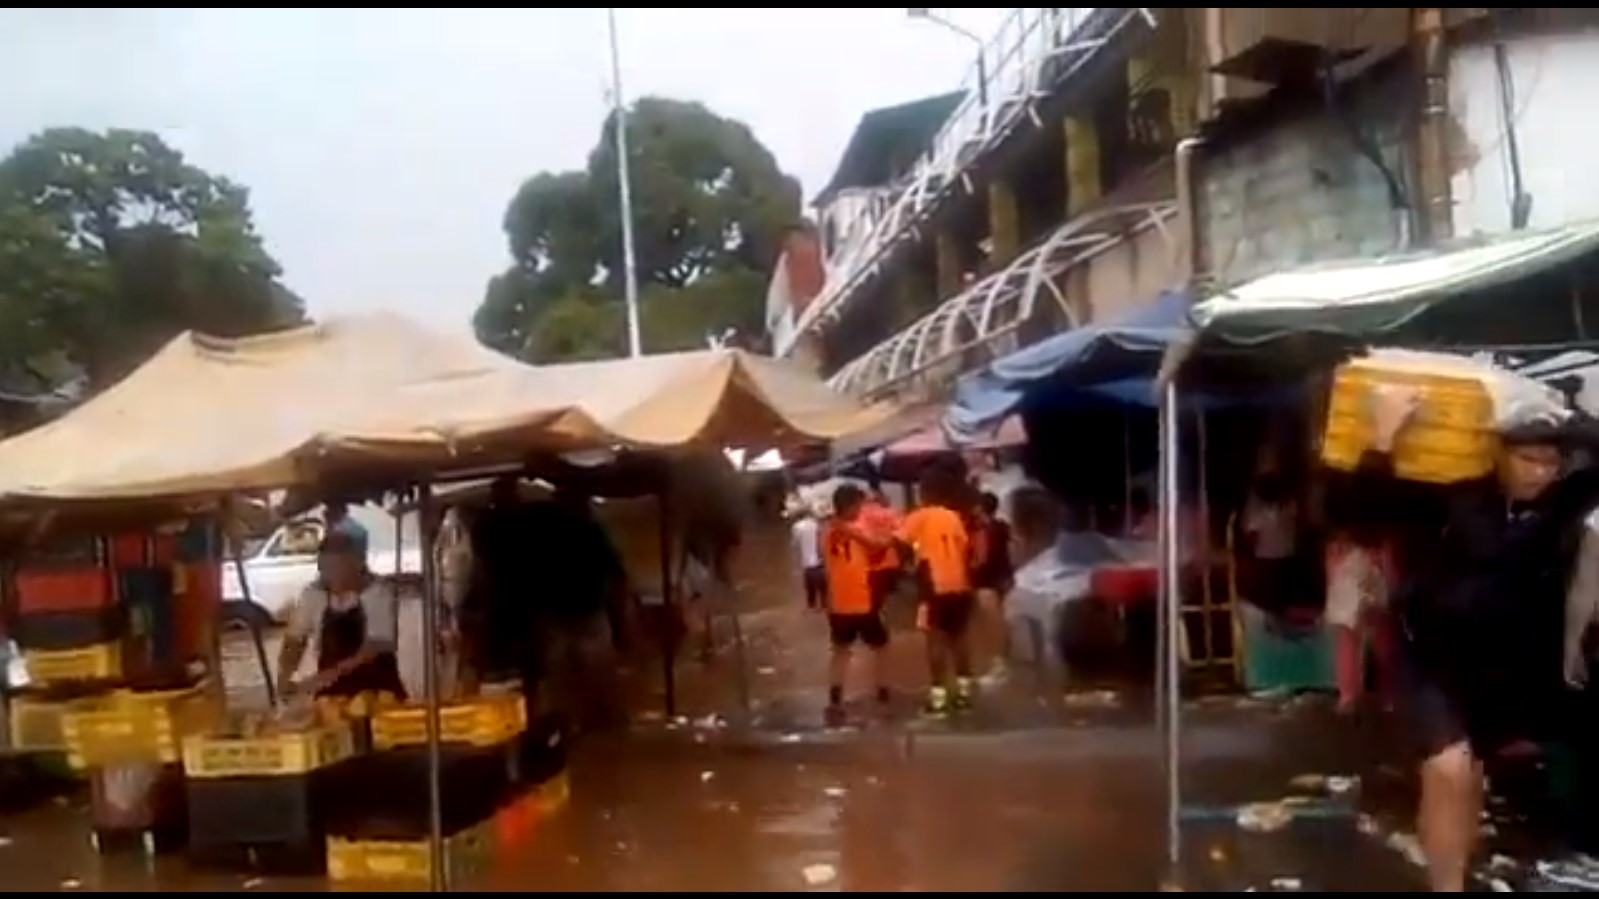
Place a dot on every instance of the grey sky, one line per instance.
(381, 145)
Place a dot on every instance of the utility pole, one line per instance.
(635, 342)
(1435, 208)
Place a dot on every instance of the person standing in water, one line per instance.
(993, 573)
(805, 533)
(1480, 654)
(853, 615)
(937, 535)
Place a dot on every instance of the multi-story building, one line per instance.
(1332, 133)
(1044, 193)
(1038, 197)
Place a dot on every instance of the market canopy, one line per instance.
(1130, 347)
(1367, 298)
(206, 417)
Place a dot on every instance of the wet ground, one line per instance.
(1045, 787)
(1071, 808)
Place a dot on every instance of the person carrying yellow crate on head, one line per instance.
(355, 622)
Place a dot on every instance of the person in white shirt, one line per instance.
(353, 620)
(806, 534)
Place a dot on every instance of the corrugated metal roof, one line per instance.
(1377, 295)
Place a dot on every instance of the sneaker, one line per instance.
(937, 701)
(965, 692)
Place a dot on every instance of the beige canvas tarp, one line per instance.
(207, 417)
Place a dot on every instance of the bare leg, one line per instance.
(991, 621)
(875, 662)
(960, 650)
(1449, 819)
(837, 673)
(938, 666)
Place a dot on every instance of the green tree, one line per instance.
(112, 243)
(710, 209)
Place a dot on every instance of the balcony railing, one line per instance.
(987, 312)
(1030, 43)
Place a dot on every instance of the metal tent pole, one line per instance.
(235, 551)
(668, 606)
(1170, 573)
(1162, 584)
(438, 877)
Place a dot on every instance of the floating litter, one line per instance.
(819, 875)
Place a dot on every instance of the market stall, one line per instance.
(1307, 320)
(1101, 380)
(366, 404)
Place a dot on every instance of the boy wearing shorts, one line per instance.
(938, 536)
(853, 615)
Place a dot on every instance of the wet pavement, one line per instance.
(1063, 808)
(1046, 786)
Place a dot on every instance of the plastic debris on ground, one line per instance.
(819, 875)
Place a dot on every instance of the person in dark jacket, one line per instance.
(1481, 616)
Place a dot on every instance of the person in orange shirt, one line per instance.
(853, 613)
(938, 536)
(881, 522)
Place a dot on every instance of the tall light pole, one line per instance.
(635, 342)
(924, 14)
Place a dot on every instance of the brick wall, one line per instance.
(1299, 191)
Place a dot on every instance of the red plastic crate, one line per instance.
(1125, 585)
(67, 590)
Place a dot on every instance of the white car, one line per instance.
(280, 568)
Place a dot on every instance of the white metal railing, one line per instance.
(996, 306)
(1015, 59)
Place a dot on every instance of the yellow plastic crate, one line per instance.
(279, 755)
(1450, 439)
(552, 795)
(101, 661)
(388, 860)
(138, 727)
(35, 724)
(486, 721)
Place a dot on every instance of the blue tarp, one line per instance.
(1117, 361)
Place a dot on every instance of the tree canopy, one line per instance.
(110, 245)
(710, 209)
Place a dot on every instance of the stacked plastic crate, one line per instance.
(260, 801)
(380, 832)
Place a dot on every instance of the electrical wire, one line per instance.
(1519, 199)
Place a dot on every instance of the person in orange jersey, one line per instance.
(882, 523)
(853, 613)
(938, 536)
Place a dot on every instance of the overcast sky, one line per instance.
(381, 145)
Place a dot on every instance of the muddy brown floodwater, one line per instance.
(1037, 791)
(1067, 808)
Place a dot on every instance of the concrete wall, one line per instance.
(1300, 192)
(1554, 79)
(1124, 277)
